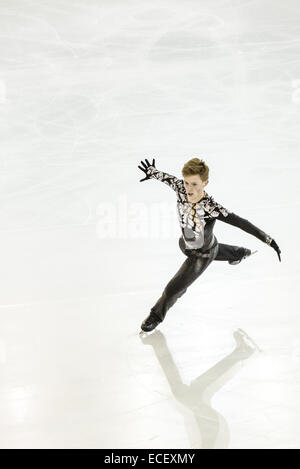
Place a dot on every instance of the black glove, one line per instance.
(275, 246)
(145, 167)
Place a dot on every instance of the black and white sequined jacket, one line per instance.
(197, 219)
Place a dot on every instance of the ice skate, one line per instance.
(248, 253)
(150, 323)
(151, 339)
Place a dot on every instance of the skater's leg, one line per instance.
(228, 252)
(190, 270)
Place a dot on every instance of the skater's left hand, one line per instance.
(276, 247)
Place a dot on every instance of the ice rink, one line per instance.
(88, 89)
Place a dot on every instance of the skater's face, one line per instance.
(194, 187)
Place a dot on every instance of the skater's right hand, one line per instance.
(145, 167)
(276, 247)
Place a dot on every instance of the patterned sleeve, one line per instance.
(171, 181)
(221, 213)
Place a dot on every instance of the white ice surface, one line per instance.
(88, 89)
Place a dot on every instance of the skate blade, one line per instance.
(145, 333)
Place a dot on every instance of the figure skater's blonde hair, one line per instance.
(196, 166)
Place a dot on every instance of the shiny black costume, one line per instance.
(197, 240)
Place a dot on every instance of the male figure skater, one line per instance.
(197, 213)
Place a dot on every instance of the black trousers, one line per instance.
(191, 269)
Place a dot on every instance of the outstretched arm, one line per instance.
(231, 218)
(245, 225)
(152, 173)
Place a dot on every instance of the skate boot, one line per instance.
(246, 254)
(150, 322)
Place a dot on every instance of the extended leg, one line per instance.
(190, 270)
(228, 252)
